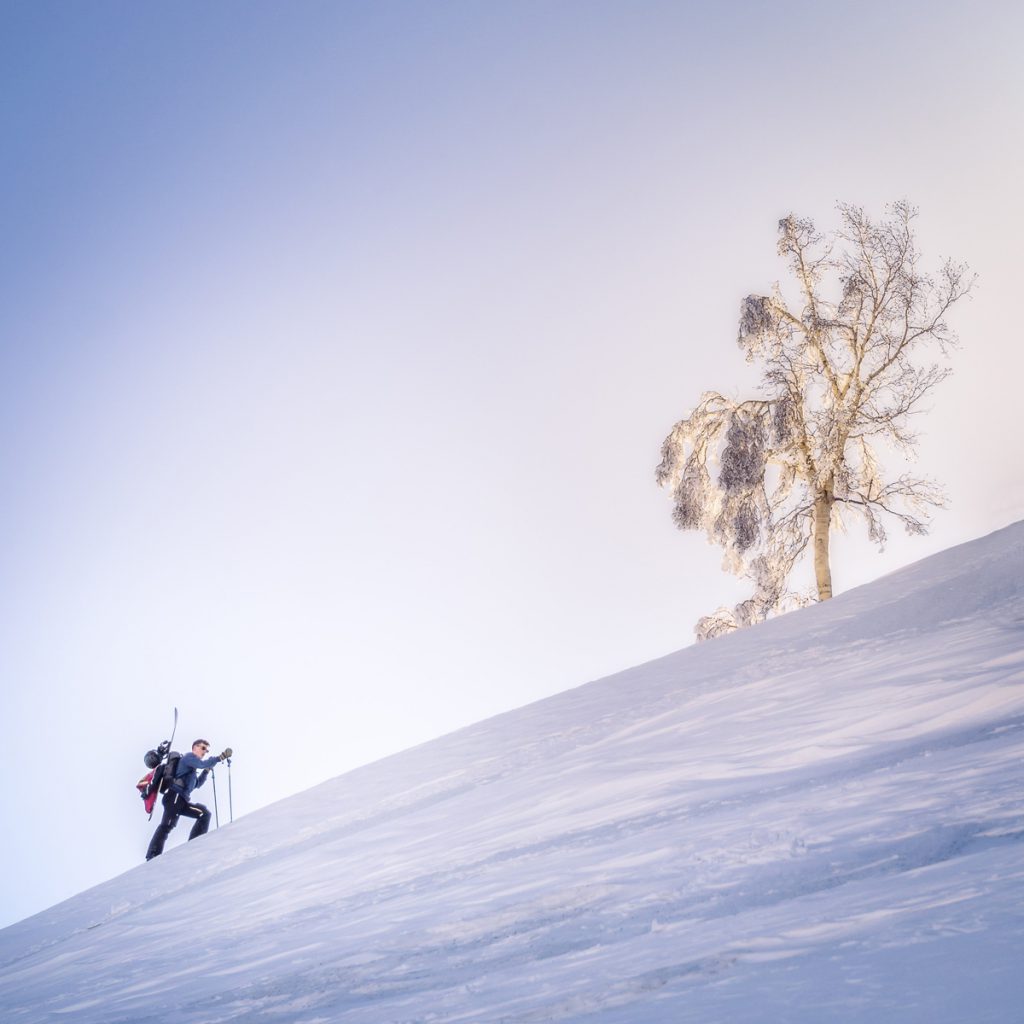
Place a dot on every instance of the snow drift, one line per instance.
(819, 818)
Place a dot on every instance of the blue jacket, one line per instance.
(187, 777)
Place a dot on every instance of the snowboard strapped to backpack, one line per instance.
(163, 763)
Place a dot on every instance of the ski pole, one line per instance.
(216, 809)
(231, 805)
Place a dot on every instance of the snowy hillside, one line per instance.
(820, 819)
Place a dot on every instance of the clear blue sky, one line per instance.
(338, 342)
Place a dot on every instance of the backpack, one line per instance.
(155, 782)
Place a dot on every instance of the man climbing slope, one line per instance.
(189, 775)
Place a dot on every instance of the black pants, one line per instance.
(176, 806)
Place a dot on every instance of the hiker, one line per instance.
(189, 774)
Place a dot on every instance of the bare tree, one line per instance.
(842, 375)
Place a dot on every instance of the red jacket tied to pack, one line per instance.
(147, 791)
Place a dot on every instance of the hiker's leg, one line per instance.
(163, 830)
(202, 816)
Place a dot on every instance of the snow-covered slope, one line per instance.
(820, 819)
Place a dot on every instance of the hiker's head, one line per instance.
(201, 747)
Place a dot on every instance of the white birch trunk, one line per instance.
(823, 502)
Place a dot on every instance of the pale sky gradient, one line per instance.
(338, 342)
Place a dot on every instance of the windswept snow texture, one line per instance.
(818, 819)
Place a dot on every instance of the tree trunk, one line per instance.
(823, 502)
